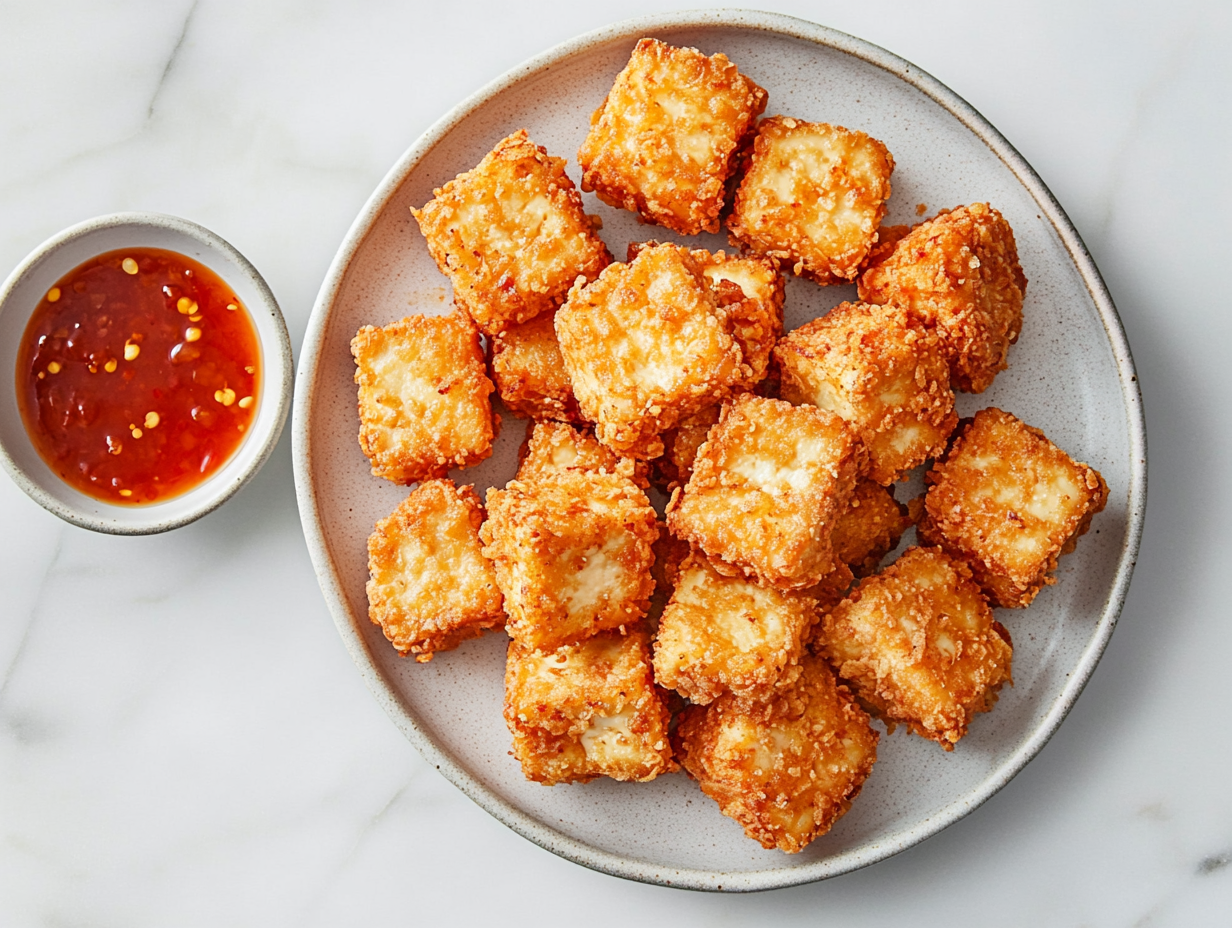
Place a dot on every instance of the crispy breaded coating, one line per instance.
(669, 554)
(812, 196)
(959, 273)
(1009, 502)
(423, 397)
(572, 553)
(662, 143)
(756, 310)
(870, 528)
(552, 447)
(918, 643)
(680, 448)
(831, 590)
(767, 489)
(887, 238)
(529, 372)
(883, 373)
(647, 345)
(721, 634)
(786, 768)
(430, 587)
(511, 235)
(587, 710)
(752, 291)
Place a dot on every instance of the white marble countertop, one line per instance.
(183, 738)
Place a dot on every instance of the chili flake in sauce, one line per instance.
(138, 375)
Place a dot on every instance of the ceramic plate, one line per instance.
(1070, 374)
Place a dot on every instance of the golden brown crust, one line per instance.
(572, 552)
(1009, 502)
(883, 373)
(423, 397)
(511, 235)
(669, 554)
(554, 447)
(430, 588)
(680, 448)
(647, 345)
(587, 710)
(812, 197)
(755, 308)
(870, 528)
(918, 643)
(959, 274)
(767, 487)
(721, 634)
(786, 768)
(662, 143)
(529, 372)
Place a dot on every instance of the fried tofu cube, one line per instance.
(887, 238)
(870, 528)
(511, 235)
(587, 710)
(572, 553)
(767, 489)
(725, 634)
(680, 446)
(645, 346)
(959, 273)
(881, 372)
(529, 372)
(554, 447)
(832, 589)
(756, 308)
(430, 587)
(752, 291)
(812, 196)
(919, 644)
(669, 553)
(663, 142)
(423, 397)
(786, 768)
(1009, 502)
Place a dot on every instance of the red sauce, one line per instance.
(138, 374)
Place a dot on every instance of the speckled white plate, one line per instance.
(1070, 374)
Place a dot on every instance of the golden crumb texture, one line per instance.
(1009, 502)
(572, 552)
(786, 768)
(727, 634)
(511, 235)
(881, 372)
(918, 644)
(646, 345)
(430, 588)
(587, 710)
(959, 273)
(664, 141)
(424, 402)
(529, 372)
(870, 528)
(812, 196)
(556, 447)
(767, 488)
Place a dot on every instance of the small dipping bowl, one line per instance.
(21, 295)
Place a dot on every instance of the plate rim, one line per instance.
(331, 585)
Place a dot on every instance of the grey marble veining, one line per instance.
(183, 739)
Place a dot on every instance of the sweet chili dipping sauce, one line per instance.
(138, 374)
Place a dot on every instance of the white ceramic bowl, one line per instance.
(56, 257)
(1071, 374)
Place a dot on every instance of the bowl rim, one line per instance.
(279, 393)
(331, 583)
